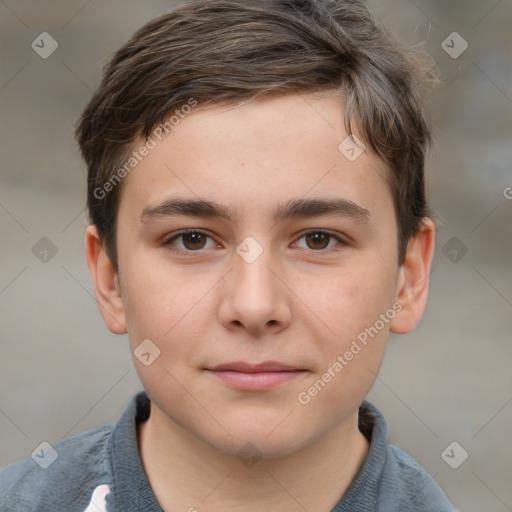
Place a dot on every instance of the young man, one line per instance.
(258, 227)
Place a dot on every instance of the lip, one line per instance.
(255, 377)
(266, 366)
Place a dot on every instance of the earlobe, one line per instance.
(413, 279)
(106, 283)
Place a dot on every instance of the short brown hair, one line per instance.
(226, 51)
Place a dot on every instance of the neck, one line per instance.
(186, 473)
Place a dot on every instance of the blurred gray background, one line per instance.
(62, 371)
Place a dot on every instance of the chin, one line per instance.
(266, 438)
(247, 448)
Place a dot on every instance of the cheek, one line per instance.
(350, 308)
(348, 302)
(166, 316)
(158, 302)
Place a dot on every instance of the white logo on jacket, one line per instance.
(98, 503)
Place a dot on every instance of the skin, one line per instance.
(301, 302)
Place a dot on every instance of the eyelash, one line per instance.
(180, 234)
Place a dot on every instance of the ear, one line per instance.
(106, 282)
(413, 279)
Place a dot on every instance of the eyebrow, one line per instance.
(295, 208)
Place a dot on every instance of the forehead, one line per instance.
(264, 151)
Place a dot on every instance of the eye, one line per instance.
(320, 240)
(191, 240)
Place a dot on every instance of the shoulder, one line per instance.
(56, 476)
(403, 476)
(389, 479)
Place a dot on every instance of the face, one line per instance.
(293, 259)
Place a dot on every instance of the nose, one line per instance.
(254, 297)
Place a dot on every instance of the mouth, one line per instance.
(255, 377)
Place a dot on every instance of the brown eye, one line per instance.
(190, 241)
(317, 240)
(320, 240)
(193, 241)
